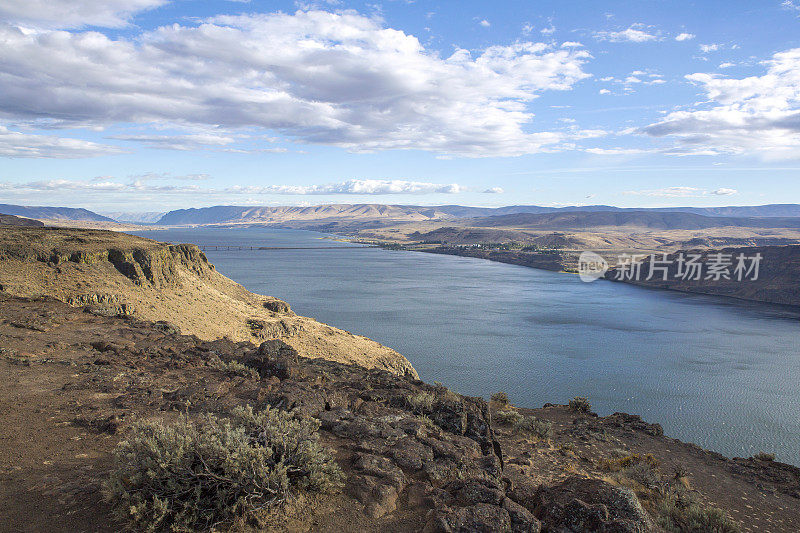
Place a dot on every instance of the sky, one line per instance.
(152, 105)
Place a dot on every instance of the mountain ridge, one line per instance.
(231, 214)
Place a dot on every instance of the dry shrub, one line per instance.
(190, 476)
(540, 428)
(580, 404)
(508, 416)
(500, 398)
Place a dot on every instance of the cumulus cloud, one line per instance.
(74, 13)
(684, 192)
(17, 144)
(636, 33)
(707, 48)
(316, 77)
(355, 186)
(757, 115)
(485, 23)
(684, 37)
(142, 184)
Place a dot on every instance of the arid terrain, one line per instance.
(100, 330)
(117, 273)
(415, 456)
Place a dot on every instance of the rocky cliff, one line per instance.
(415, 457)
(777, 273)
(112, 273)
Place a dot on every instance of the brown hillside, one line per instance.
(114, 273)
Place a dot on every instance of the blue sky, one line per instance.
(150, 105)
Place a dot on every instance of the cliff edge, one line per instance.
(112, 274)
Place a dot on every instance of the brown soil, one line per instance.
(71, 382)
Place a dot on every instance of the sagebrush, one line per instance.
(193, 475)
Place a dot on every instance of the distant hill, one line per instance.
(641, 219)
(52, 213)
(354, 212)
(136, 218)
(11, 220)
(235, 214)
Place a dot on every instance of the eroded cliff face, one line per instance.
(775, 275)
(117, 274)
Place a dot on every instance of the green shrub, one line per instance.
(508, 416)
(189, 476)
(422, 402)
(232, 368)
(580, 404)
(540, 428)
(500, 398)
(678, 514)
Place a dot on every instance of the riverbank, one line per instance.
(772, 280)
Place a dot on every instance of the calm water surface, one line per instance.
(720, 373)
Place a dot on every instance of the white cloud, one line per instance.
(726, 65)
(604, 91)
(571, 44)
(707, 48)
(141, 184)
(683, 192)
(494, 190)
(355, 186)
(615, 151)
(790, 5)
(16, 144)
(636, 33)
(550, 30)
(315, 77)
(180, 142)
(757, 115)
(684, 37)
(485, 23)
(74, 13)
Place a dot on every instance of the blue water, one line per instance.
(721, 373)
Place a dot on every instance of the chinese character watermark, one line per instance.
(717, 266)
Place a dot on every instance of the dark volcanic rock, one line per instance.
(275, 358)
(580, 504)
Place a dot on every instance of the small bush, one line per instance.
(500, 398)
(580, 404)
(421, 402)
(764, 456)
(508, 417)
(189, 476)
(540, 428)
(682, 515)
(232, 368)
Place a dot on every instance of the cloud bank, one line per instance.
(313, 76)
(757, 114)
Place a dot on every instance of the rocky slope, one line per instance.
(416, 457)
(52, 213)
(113, 273)
(11, 220)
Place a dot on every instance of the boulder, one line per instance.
(579, 504)
(274, 358)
